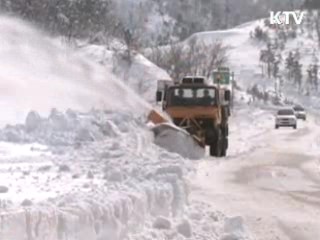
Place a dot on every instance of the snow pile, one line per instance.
(95, 190)
(98, 189)
(39, 74)
(69, 128)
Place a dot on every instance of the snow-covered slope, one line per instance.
(244, 54)
(37, 73)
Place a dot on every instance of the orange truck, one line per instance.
(199, 108)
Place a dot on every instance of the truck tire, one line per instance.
(276, 127)
(295, 126)
(225, 130)
(224, 147)
(216, 146)
(216, 149)
(213, 150)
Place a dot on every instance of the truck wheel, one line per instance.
(225, 130)
(213, 150)
(295, 126)
(216, 149)
(276, 127)
(224, 147)
(226, 143)
(217, 146)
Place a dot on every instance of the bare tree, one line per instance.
(195, 58)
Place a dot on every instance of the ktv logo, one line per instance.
(286, 17)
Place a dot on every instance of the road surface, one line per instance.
(275, 188)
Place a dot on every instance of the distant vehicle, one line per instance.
(286, 118)
(300, 112)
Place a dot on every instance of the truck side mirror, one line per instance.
(158, 96)
(227, 95)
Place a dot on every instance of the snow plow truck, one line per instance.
(200, 108)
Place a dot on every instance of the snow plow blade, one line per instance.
(175, 139)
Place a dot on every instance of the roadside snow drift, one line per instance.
(97, 176)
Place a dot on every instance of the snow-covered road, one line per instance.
(275, 188)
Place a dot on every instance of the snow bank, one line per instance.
(118, 198)
(37, 73)
(69, 128)
(98, 189)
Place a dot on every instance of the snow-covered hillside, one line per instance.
(244, 57)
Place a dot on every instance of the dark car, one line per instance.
(300, 112)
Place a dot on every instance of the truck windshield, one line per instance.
(192, 96)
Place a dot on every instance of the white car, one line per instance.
(300, 112)
(286, 118)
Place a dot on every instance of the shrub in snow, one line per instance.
(27, 203)
(162, 223)
(4, 189)
(33, 121)
(184, 228)
(64, 168)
